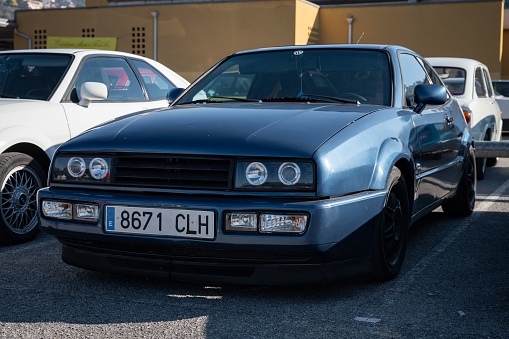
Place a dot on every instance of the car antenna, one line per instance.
(360, 38)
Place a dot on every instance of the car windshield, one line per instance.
(453, 78)
(31, 75)
(321, 75)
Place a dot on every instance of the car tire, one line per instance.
(391, 235)
(21, 177)
(463, 202)
(481, 164)
(491, 162)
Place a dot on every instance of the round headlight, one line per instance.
(76, 167)
(98, 168)
(256, 173)
(289, 173)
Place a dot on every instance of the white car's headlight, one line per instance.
(271, 175)
(81, 168)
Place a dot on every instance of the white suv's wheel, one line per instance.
(20, 178)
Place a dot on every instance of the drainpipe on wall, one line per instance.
(350, 21)
(155, 14)
(24, 36)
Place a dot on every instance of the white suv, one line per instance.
(469, 82)
(50, 96)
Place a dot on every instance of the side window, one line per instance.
(487, 81)
(480, 88)
(156, 84)
(115, 73)
(435, 79)
(413, 74)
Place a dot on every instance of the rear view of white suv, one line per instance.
(469, 82)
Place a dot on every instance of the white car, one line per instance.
(502, 94)
(50, 96)
(469, 82)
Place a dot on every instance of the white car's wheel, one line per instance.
(20, 178)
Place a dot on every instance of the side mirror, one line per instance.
(173, 94)
(92, 91)
(429, 94)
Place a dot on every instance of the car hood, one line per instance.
(8, 104)
(248, 129)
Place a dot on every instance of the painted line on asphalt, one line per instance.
(463, 225)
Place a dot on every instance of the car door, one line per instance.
(125, 92)
(437, 139)
(483, 106)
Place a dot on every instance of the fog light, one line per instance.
(283, 223)
(246, 222)
(86, 212)
(57, 209)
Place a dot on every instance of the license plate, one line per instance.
(160, 221)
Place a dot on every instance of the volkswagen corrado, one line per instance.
(286, 165)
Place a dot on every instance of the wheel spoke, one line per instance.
(19, 199)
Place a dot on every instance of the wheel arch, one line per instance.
(393, 153)
(35, 152)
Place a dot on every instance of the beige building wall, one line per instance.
(193, 36)
(307, 24)
(457, 29)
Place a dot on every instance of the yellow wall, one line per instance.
(192, 37)
(466, 29)
(307, 25)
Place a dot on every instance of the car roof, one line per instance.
(337, 46)
(71, 51)
(454, 62)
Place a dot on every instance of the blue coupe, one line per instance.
(287, 165)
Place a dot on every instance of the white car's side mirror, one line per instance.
(92, 91)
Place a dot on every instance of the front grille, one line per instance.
(168, 171)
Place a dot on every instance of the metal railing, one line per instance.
(491, 149)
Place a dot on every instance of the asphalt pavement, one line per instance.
(454, 284)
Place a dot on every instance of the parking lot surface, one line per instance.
(453, 285)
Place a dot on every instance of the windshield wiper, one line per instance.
(9, 96)
(313, 97)
(213, 98)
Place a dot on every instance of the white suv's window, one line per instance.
(31, 75)
(116, 74)
(480, 87)
(487, 81)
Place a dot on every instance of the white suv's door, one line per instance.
(484, 107)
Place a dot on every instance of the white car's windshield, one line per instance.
(331, 75)
(31, 75)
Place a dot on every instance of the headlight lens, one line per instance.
(289, 173)
(76, 167)
(275, 175)
(88, 169)
(256, 173)
(99, 168)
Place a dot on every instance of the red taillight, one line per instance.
(466, 114)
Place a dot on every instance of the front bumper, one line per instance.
(336, 244)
